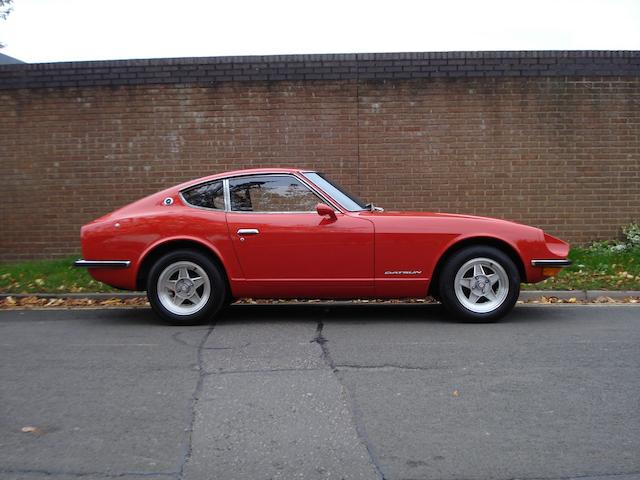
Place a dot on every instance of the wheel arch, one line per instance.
(156, 251)
(458, 245)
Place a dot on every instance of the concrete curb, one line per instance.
(92, 296)
(579, 295)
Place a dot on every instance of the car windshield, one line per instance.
(349, 201)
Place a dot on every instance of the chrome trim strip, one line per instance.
(101, 263)
(227, 195)
(279, 213)
(550, 263)
(248, 231)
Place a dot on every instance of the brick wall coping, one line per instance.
(364, 66)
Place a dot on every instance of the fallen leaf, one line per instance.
(31, 301)
(34, 430)
(111, 301)
(604, 300)
(54, 302)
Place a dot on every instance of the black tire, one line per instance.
(507, 292)
(206, 309)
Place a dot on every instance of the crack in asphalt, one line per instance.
(179, 474)
(583, 476)
(68, 474)
(356, 414)
(195, 397)
(385, 367)
(586, 476)
(261, 370)
(176, 338)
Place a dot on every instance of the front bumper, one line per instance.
(101, 263)
(550, 263)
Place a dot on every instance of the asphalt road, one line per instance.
(285, 392)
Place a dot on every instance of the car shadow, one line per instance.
(371, 313)
(315, 312)
(126, 316)
(365, 313)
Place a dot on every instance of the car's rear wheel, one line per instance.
(479, 284)
(186, 287)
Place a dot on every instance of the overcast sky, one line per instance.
(65, 30)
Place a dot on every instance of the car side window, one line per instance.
(271, 193)
(209, 195)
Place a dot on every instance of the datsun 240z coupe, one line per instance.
(289, 233)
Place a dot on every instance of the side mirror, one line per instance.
(324, 210)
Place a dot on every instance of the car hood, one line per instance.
(450, 223)
(403, 214)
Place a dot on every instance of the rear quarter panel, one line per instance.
(133, 235)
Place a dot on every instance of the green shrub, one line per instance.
(632, 233)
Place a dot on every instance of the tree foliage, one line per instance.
(5, 8)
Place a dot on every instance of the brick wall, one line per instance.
(546, 138)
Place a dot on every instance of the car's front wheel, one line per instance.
(479, 284)
(186, 287)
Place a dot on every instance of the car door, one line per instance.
(286, 249)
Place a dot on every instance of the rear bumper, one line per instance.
(550, 263)
(101, 263)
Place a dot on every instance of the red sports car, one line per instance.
(289, 233)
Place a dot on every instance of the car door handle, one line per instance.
(248, 231)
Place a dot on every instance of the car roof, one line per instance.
(237, 173)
